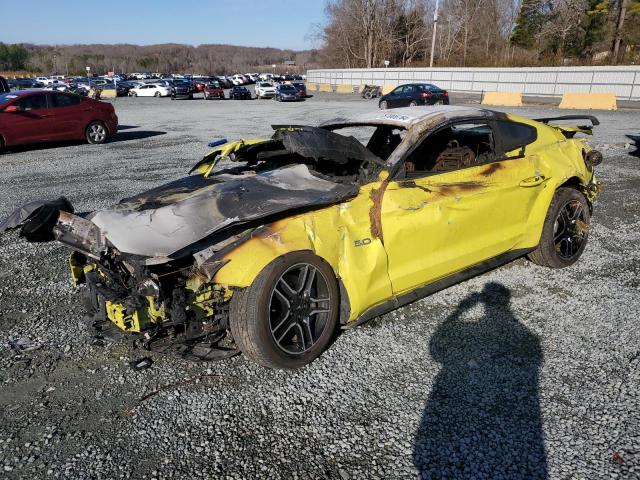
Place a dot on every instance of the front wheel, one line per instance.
(134, 94)
(413, 103)
(289, 314)
(383, 105)
(96, 133)
(157, 95)
(565, 230)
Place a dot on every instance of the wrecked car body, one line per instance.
(270, 244)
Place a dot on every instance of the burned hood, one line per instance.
(167, 219)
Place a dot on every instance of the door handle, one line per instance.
(533, 181)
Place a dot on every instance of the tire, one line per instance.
(1, 144)
(96, 133)
(157, 95)
(368, 95)
(383, 105)
(190, 96)
(134, 94)
(565, 230)
(300, 336)
(413, 103)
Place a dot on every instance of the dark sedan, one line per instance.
(32, 116)
(287, 93)
(240, 93)
(414, 94)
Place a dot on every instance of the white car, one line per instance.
(150, 90)
(238, 80)
(265, 90)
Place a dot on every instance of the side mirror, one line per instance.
(12, 109)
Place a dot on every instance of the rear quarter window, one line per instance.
(515, 135)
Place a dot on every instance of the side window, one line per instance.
(514, 136)
(397, 91)
(33, 102)
(456, 146)
(62, 100)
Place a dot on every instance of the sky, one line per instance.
(260, 23)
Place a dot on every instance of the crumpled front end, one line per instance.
(172, 305)
(168, 308)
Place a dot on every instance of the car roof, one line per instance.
(408, 117)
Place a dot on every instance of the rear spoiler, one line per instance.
(569, 131)
(594, 121)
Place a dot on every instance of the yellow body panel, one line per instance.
(340, 234)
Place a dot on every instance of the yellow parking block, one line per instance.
(110, 93)
(326, 87)
(589, 101)
(386, 89)
(344, 88)
(504, 99)
(312, 86)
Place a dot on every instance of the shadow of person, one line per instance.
(482, 419)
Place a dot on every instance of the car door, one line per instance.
(69, 112)
(450, 207)
(406, 96)
(394, 97)
(33, 122)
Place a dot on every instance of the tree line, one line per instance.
(166, 58)
(365, 33)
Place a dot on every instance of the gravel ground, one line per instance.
(520, 373)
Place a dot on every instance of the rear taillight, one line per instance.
(445, 93)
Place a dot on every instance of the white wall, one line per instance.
(624, 81)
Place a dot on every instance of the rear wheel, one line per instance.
(134, 94)
(413, 103)
(96, 133)
(157, 95)
(565, 230)
(383, 105)
(1, 144)
(289, 314)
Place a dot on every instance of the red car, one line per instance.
(33, 116)
(213, 90)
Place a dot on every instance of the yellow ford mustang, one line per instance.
(270, 245)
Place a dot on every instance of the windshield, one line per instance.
(265, 84)
(287, 87)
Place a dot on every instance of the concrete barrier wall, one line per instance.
(623, 81)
